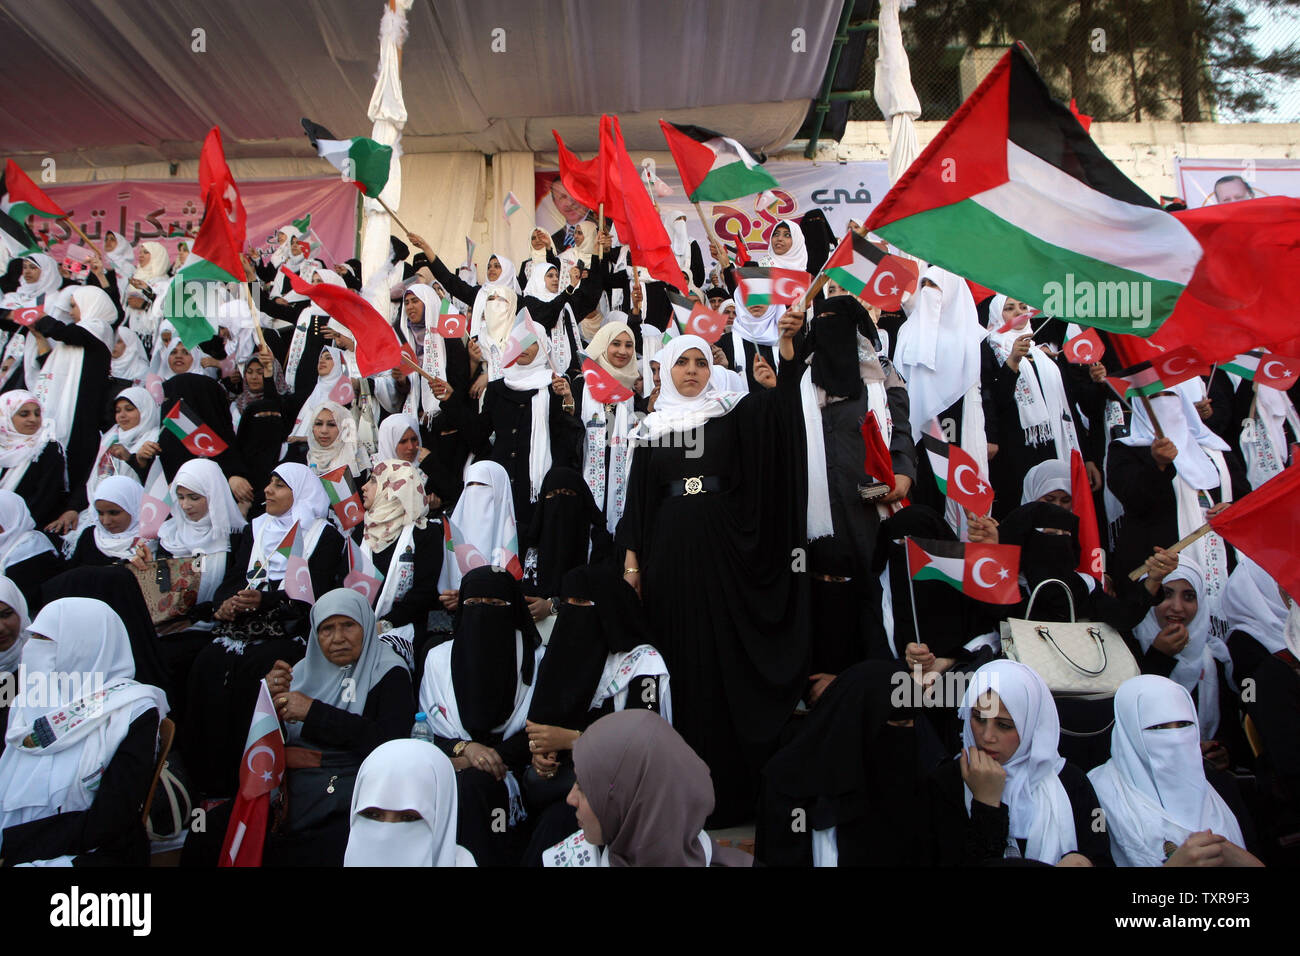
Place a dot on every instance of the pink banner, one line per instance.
(168, 212)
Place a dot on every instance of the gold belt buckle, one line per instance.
(693, 486)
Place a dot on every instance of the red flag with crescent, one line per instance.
(185, 424)
(260, 772)
(601, 385)
(1084, 348)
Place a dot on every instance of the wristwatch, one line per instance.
(555, 606)
(459, 749)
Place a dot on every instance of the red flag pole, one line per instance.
(1196, 535)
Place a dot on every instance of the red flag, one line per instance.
(409, 352)
(978, 292)
(893, 278)
(1277, 371)
(258, 776)
(632, 211)
(217, 187)
(1265, 526)
(28, 316)
(1240, 296)
(377, 347)
(1084, 120)
(1092, 559)
(450, 325)
(359, 578)
(297, 580)
(153, 512)
(22, 190)
(602, 386)
(992, 573)
(581, 177)
(342, 392)
(705, 323)
(153, 384)
(742, 253)
(1179, 365)
(1085, 348)
(1131, 350)
(879, 464)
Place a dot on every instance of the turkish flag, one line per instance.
(1131, 350)
(742, 253)
(451, 325)
(342, 392)
(1277, 371)
(1180, 364)
(260, 772)
(1092, 559)
(28, 316)
(365, 585)
(1265, 526)
(581, 177)
(1085, 348)
(377, 347)
(602, 386)
(153, 512)
(204, 442)
(879, 464)
(894, 277)
(992, 573)
(965, 486)
(153, 384)
(705, 323)
(297, 580)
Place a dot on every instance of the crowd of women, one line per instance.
(582, 627)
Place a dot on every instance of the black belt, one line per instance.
(694, 486)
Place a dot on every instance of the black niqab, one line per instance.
(561, 527)
(484, 668)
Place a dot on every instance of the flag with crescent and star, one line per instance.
(695, 318)
(297, 573)
(957, 475)
(260, 772)
(345, 500)
(1265, 368)
(363, 577)
(155, 506)
(1083, 346)
(185, 424)
(985, 572)
(601, 385)
(865, 270)
(760, 286)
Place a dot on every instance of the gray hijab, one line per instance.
(343, 687)
(647, 787)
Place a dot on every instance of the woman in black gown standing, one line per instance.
(715, 512)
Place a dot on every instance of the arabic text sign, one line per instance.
(842, 191)
(167, 211)
(1267, 177)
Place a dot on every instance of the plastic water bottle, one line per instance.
(422, 730)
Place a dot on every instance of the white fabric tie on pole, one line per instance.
(894, 92)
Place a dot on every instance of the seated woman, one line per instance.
(14, 622)
(599, 660)
(130, 361)
(1161, 810)
(567, 531)
(73, 776)
(641, 796)
(130, 448)
(854, 768)
(404, 809)
(331, 443)
(1010, 794)
(32, 462)
(259, 621)
(116, 533)
(399, 437)
(348, 695)
(397, 539)
(476, 691)
(27, 556)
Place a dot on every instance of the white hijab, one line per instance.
(406, 775)
(10, 595)
(535, 377)
(1044, 478)
(46, 284)
(126, 494)
(484, 515)
(183, 537)
(391, 431)
(344, 451)
(310, 504)
(1251, 604)
(1039, 807)
(17, 451)
(1194, 665)
(58, 382)
(159, 264)
(121, 259)
(433, 354)
(86, 638)
(1182, 425)
(320, 394)
(761, 329)
(1153, 789)
(133, 363)
(536, 287)
(133, 439)
(673, 411)
(795, 258)
(19, 539)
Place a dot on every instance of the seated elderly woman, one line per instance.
(1161, 809)
(350, 694)
(74, 775)
(404, 809)
(641, 797)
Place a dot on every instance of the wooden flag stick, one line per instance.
(708, 228)
(821, 280)
(419, 368)
(103, 259)
(393, 215)
(257, 321)
(1196, 535)
(1155, 422)
(600, 225)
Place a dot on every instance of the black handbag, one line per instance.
(318, 790)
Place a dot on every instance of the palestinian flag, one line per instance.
(1264, 368)
(865, 270)
(760, 286)
(460, 558)
(957, 475)
(363, 162)
(290, 545)
(713, 167)
(189, 302)
(522, 337)
(693, 318)
(1014, 195)
(20, 197)
(1141, 379)
(344, 497)
(986, 572)
(201, 440)
(303, 225)
(507, 556)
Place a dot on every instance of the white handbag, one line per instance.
(1079, 659)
